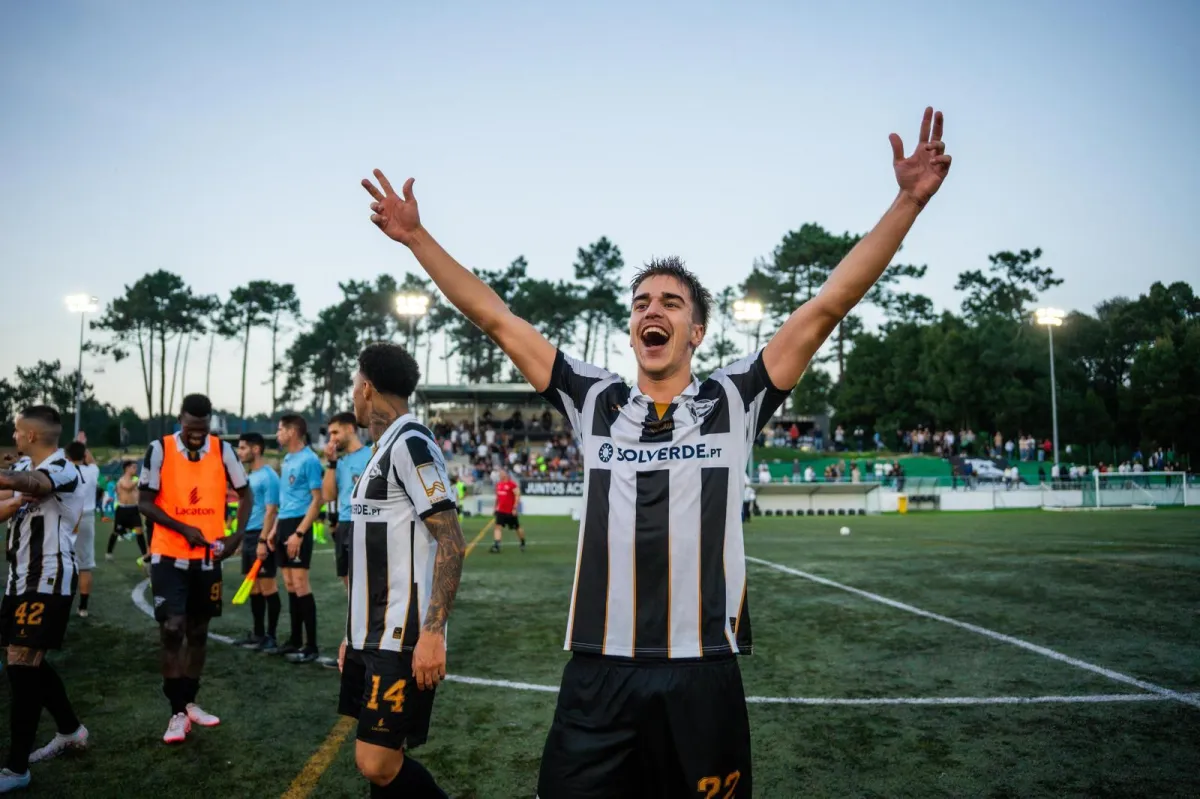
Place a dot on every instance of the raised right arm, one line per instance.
(397, 217)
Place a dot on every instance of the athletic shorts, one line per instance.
(250, 554)
(379, 690)
(341, 548)
(283, 530)
(185, 588)
(38, 621)
(509, 520)
(85, 542)
(126, 520)
(647, 729)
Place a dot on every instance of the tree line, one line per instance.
(1127, 374)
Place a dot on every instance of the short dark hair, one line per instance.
(196, 405)
(76, 451)
(673, 266)
(296, 422)
(42, 413)
(254, 440)
(345, 418)
(390, 368)
(126, 464)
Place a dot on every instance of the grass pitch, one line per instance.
(1108, 596)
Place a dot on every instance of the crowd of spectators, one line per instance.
(531, 449)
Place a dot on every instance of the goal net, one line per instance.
(1136, 490)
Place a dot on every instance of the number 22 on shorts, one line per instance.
(711, 786)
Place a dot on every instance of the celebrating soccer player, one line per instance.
(292, 534)
(42, 503)
(652, 703)
(406, 554)
(264, 595)
(182, 490)
(84, 543)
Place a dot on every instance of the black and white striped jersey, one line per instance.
(40, 551)
(660, 570)
(392, 554)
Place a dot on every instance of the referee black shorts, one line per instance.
(283, 531)
(648, 729)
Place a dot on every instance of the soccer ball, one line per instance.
(845, 531)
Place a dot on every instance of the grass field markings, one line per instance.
(1116, 676)
(139, 600)
(474, 541)
(306, 781)
(1130, 565)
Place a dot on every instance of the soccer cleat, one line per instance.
(522, 544)
(198, 715)
(60, 744)
(83, 614)
(306, 655)
(327, 663)
(268, 645)
(494, 548)
(12, 782)
(287, 649)
(177, 729)
(251, 641)
(108, 556)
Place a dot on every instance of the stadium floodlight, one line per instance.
(412, 305)
(1051, 318)
(82, 304)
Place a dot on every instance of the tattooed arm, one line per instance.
(429, 658)
(33, 483)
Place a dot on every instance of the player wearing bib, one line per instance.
(651, 702)
(508, 494)
(264, 595)
(182, 488)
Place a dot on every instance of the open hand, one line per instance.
(429, 660)
(920, 175)
(395, 215)
(293, 545)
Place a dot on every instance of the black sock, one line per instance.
(413, 782)
(258, 608)
(54, 698)
(310, 619)
(23, 715)
(83, 600)
(274, 606)
(191, 687)
(141, 542)
(112, 543)
(297, 621)
(175, 690)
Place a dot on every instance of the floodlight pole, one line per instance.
(1053, 394)
(79, 378)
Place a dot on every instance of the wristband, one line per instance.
(332, 465)
(217, 548)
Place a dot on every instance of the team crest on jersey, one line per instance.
(291, 479)
(431, 480)
(701, 408)
(374, 473)
(606, 452)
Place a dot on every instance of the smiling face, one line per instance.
(663, 331)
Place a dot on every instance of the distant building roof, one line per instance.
(482, 393)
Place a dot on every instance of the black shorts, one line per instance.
(185, 588)
(126, 519)
(38, 621)
(509, 520)
(250, 554)
(379, 690)
(283, 530)
(341, 548)
(655, 729)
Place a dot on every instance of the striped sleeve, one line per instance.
(64, 477)
(570, 381)
(418, 466)
(760, 396)
(151, 476)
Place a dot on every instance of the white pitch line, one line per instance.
(139, 599)
(1116, 676)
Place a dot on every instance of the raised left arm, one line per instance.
(919, 176)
